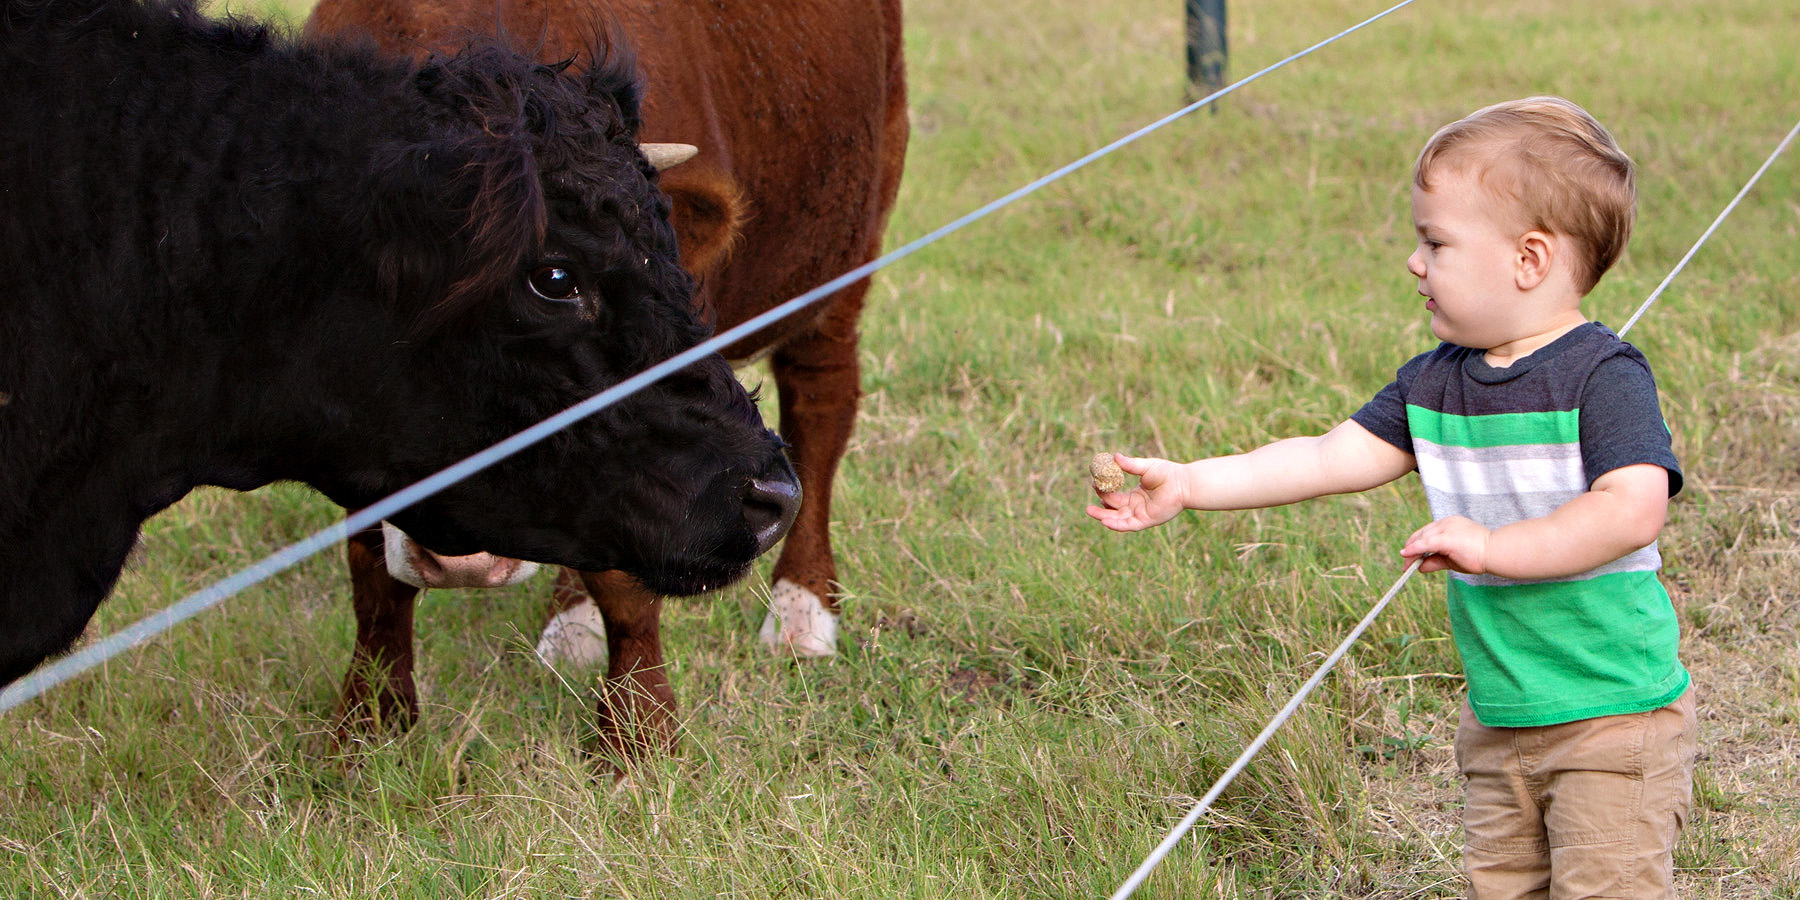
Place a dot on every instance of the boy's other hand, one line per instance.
(1453, 542)
(1156, 499)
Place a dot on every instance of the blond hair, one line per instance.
(1559, 168)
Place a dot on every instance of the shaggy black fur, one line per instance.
(228, 258)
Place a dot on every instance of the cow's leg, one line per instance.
(576, 633)
(31, 632)
(378, 690)
(819, 380)
(49, 596)
(637, 706)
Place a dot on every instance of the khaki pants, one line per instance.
(1581, 809)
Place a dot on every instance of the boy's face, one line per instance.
(1466, 262)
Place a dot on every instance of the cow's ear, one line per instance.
(453, 218)
(707, 210)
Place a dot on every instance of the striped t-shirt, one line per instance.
(1502, 445)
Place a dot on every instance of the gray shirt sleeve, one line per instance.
(1385, 417)
(1622, 422)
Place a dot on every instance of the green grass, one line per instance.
(1026, 703)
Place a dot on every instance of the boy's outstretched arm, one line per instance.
(1346, 459)
(1623, 511)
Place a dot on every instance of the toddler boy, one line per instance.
(1542, 448)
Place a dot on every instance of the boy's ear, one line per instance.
(1537, 253)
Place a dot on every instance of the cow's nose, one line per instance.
(770, 505)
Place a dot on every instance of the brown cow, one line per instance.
(798, 108)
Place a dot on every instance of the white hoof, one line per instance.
(798, 622)
(575, 637)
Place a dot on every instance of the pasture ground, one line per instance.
(1025, 703)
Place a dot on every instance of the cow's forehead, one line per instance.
(616, 194)
(585, 149)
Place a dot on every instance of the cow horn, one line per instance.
(663, 156)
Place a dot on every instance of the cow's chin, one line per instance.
(674, 574)
(681, 581)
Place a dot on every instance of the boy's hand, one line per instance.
(1347, 458)
(1453, 542)
(1156, 499)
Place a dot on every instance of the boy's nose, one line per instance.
(1415, 264)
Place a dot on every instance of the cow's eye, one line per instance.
(554, 283)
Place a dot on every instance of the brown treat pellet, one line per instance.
(1108, 477)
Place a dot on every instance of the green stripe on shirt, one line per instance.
(1539, 653)
(1498, 430)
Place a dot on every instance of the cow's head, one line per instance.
(520, 241)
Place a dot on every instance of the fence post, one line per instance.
(1206, 50)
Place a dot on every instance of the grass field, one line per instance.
(1025, 703)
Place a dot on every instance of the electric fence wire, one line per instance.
(1779, 149)
(85, 658)
(1237, 767)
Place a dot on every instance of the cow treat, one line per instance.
(1108, 477)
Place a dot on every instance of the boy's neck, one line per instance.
(1542, 335)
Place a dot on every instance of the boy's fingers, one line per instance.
(1434, 560)
(1111, 518)
(1417, 546)
(1421, 542)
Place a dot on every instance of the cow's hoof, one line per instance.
(798, 622)
(575, 637)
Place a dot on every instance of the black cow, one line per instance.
(227, 258)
